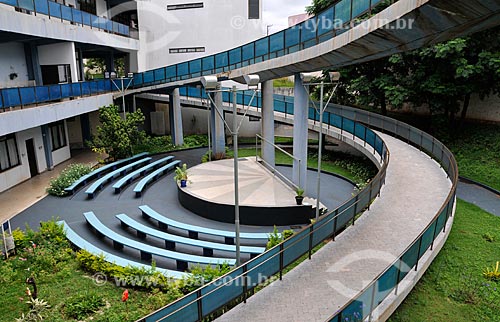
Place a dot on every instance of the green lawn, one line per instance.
(453, 288)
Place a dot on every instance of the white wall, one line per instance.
(101, 8)
(211, 27)
(59, 54)
(62, 154)
(12, 60)
(20, 173)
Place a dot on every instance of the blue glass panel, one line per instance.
(1, 104)
(227, 288)
(66, 13)
(308, 30)
(359, 131)
(149, 77)
(77, 16)
(194, 92)
(182, 69)
(171, 71)
(55, 92)
(277, 42)
(323, 229)
(93, 87)
(159, 74)
(343, 11)
(208, 63)
(359, 6)
(267, 265)
(102, 23)
(195, 66)
(183, 91)
(427, 239)
(440, 221)
(226, 97)
(378, 145)
(65, 90)
(248, 51)
(10, 2)
(126, 30)
(427, 143)
(138, 79)
(186, 309)
(386, 283)
(311, 113)
(359, 308)
(116, 26)
(86, 88)
(235, 56)
(26, 4)
(42, 6)
(336, 120)
(370, 137)
(11, 97)
(409, 259)
(86, 17)
(42, 93)
(295, 247)
(345, 213)
(120, 29)
(221, 60)
(94, 20)
(292, 36)
(325, 21)
(107, 85)
(261, 47)
(109, 25)
(239, 98)
(348, 125)
(100, 86)
(27, 95)
(76, 89)
(336, 318)
(55, 9)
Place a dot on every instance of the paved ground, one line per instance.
(161, 196)
(479, 196)
(312, 291)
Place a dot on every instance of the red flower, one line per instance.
(125, 296)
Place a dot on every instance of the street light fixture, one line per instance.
(122, 89)
(307, 79)
(211, 85)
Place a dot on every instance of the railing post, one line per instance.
(434, 234)
(355, 209)
(398, 276)
(199, 304)
(373, 300)
(244, 281)
(418, 253)
(310, 240)
(281, 261)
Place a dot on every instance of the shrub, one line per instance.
(489, 237)
(81, 305)
(494, 273)
(275, 238)
(69, 175)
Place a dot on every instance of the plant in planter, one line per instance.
(181, 175)
(300, 196)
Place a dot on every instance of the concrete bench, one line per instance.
(81, 243)
(153, 176)
(193, 231)
(100, 171)
(171, 240)
(139, 172)
(99, 183)
(147, 251)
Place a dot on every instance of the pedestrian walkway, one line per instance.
(479, 196)
(23, 195)
(415, 189)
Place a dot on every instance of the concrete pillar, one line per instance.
(47, 146)
(110, 62)
(268, 151)
(300, 103)
(217, 126)
(33, 63)
(176, 117)
(80, 66)
(85, 126)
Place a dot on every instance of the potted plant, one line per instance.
(181, 175)
(300, 196)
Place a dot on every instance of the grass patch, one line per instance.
(163, 144)
(454, 288)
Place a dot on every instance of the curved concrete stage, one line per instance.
(265, 200)
(319, 287)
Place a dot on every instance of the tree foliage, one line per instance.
(117, 136)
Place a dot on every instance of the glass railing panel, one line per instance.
(359, 7)
(65, 90)
(11, 97)
(87, 18)
(26, 4)
(195, 66)
(370, 137)
(261, 47)
(93, 87)
(359, 309)
(208, 63)
(295, 246)
(235, 56)
(277, 42)
(322, 229)
(55, 9)
(308, 30)
(409, 259)
(77, 16)
(263, 267)
(27, 95)
(66, 13)
(182, 69)
(326, 21)
(214, 292)
(149, 77)
(343, 11)
(292, 36)
(221, 60)
(86, 88)
(42, 93)
(10, 2)
(42, 6)
(248, 51)
(76, 89)
(159, 74)
(55, 92)
(186, 309)
(386, 283)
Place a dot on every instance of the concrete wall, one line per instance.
(62, 154)
(20, 173)
(218, 26)
(59, 54)
(75, 137)
(101, 8)
(12, 60)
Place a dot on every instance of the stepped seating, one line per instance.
(153, 176)
(99, 183)
(81, 243)
(147, 251)
(139, 172)
(171, 240)
(100, 171)
(193, 231)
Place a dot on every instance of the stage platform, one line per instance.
(265, 199)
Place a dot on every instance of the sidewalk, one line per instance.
(25, 194)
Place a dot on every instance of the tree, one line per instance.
(116, 136)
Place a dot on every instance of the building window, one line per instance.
(186, 50)
(185, 6)
(253, 9)
(58, 135)
(9, 156)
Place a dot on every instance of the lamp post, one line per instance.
(122, 89)
(306, 79)
(211, 84)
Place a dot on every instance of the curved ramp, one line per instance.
(317, 288)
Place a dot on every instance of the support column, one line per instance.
(300, 103)
(217, 126)
(47, 146)
(85, 126)
(268, 151)
(110, 62)
(176, 118)
(33, 64)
